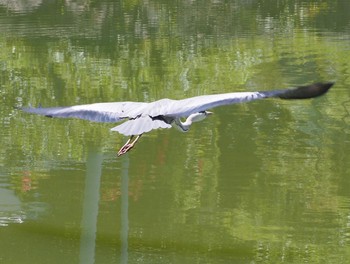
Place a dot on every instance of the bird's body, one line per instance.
(141, 117)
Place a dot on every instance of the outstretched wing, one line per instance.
(143, 116)
(99, 112)
(140, 125)
(185, 107)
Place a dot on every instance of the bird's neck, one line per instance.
(185, 126)
(182, 126)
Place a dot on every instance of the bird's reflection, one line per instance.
(124, 210)
(90, 207)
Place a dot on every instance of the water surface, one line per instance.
(264, 182)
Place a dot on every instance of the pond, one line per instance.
(262, 182)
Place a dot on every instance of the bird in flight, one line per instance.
(141, 117)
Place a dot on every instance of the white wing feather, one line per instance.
(99, 112)
(186, 107)
(115, 112)
(139, 126)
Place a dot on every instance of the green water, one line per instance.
(264, 182)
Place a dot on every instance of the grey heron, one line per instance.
(141, 117)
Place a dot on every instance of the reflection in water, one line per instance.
(10, 208)
(14, 210)
(90, 207)
(124, 210)
(20, 5)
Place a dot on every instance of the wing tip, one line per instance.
(34, 110)
(307, 91)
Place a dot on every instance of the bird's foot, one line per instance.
(125, 149)
(128, 146)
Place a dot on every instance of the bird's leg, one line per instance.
(128, 145)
